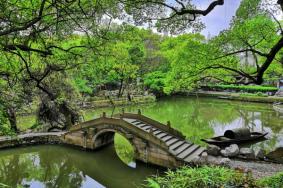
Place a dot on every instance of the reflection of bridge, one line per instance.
(153, 142)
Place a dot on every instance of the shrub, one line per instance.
(155, 81)
(275, 181)
(251, 88)
(4, 124)
(205, 177)
(258, 94)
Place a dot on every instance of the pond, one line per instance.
(196, 118)
(61, 166)
(199, 118)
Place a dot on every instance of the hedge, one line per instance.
(241, 88)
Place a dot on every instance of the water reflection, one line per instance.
(205, 117)
(54, 166)
(58, 166)
(124, 150)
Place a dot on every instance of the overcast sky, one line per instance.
(219, 18)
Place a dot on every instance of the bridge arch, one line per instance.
(153, 142)
(106, 136)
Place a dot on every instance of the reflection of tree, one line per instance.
(124, 148)
(217, 111)
(198, 118)
(14, 169)
(9, 171)
(58, 171)
(264, 120)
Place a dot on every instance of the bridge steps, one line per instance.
(182, 148)
(176, 145)
(186, 152)
(172, 141)
(195, 154)
(157, 133)
(161, 135)
(179, 147)
(166, 138)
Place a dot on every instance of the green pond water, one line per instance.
(196, 118)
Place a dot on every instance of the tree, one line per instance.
(168, 16)
(189, 56)
(155, 81)
(38, 43)
(39, 47)
(120, 67)
(219, 58)
(245, 37)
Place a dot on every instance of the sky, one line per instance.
(219, 19)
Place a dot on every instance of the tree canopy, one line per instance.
(55, 52)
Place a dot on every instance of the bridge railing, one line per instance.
(122, 123)
(156, 124)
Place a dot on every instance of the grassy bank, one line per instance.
(240, 88)
(211, 177)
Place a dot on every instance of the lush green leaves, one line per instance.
(206, 177)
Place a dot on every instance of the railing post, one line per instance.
(151, 130)
(139, 111)
(123, 111)
(169, 126)
(104, 114)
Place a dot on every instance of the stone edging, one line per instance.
(237, 97)
(31, 139)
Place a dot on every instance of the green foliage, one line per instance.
(188, 55)
(155, 81)
(5, 128)
(243, 88)
(3, 118)
(275, 181)
(3, 185)
(247, 10)
(82, 85)
(211, 177)
(47, 57)
(205, 177)
(259, 94)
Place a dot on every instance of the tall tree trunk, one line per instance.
(121, 87)
(124, 87)
(12, 118)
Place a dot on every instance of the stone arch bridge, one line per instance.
(153, 142)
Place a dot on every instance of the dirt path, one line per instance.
(258, 169)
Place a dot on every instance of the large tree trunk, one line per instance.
(56, 115)
(71, 116)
